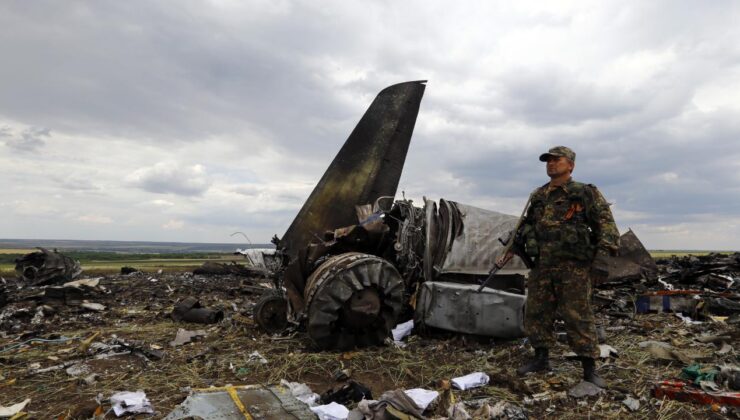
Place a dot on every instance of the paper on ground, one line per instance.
(302, 392)
(130, 402)
(422, 397)
(472, 380)
(256, 357)
(402, 330)
(84, 282)
(607, 351)
(13, 409)
(332, 411)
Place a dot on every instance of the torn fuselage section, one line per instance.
(399, 261)
(46, 267)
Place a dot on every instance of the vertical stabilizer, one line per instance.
(368, 166)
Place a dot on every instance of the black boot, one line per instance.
(540, 362)
(589, 372)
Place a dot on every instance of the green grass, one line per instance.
(111, 262)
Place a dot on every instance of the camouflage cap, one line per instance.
(559, 151)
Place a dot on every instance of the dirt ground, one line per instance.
(138, 308)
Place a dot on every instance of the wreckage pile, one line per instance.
(176, 345)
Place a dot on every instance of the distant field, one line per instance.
(111, 262)
(133, 247)
(15, 251)
(662, 253)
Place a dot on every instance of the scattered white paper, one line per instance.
(91, 306)
(709, 386)
(84, 282)
(131, 402)
(471, 380)
(687, 320)
(422, 397)
(302, 392)
(666, 285)
(607, 351)
(13, 409)
(402, 330)
(631, 403)
(256, 357)
(332, 411)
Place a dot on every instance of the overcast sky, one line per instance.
(187, 121)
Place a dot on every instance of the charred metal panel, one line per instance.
(459, 307)
(465, 239)
(633, 263)
(46, 267)
(367, 167)
(431, 234)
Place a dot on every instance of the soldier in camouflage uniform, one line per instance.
(568, 231)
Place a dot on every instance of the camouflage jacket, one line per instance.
(571, 222)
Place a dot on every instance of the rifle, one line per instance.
(509, 245)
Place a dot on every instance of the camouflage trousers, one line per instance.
(562, 291)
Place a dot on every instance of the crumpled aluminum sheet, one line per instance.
(471, 244)
(459, 307)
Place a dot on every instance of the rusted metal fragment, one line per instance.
(353, 299)
(46, 267)
(367, 167)
(458, 307)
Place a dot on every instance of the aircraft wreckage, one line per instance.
(355, 261)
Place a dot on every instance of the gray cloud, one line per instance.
(170, 177)
(264, 93)
(29, 140)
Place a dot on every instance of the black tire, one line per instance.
(271, 313)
